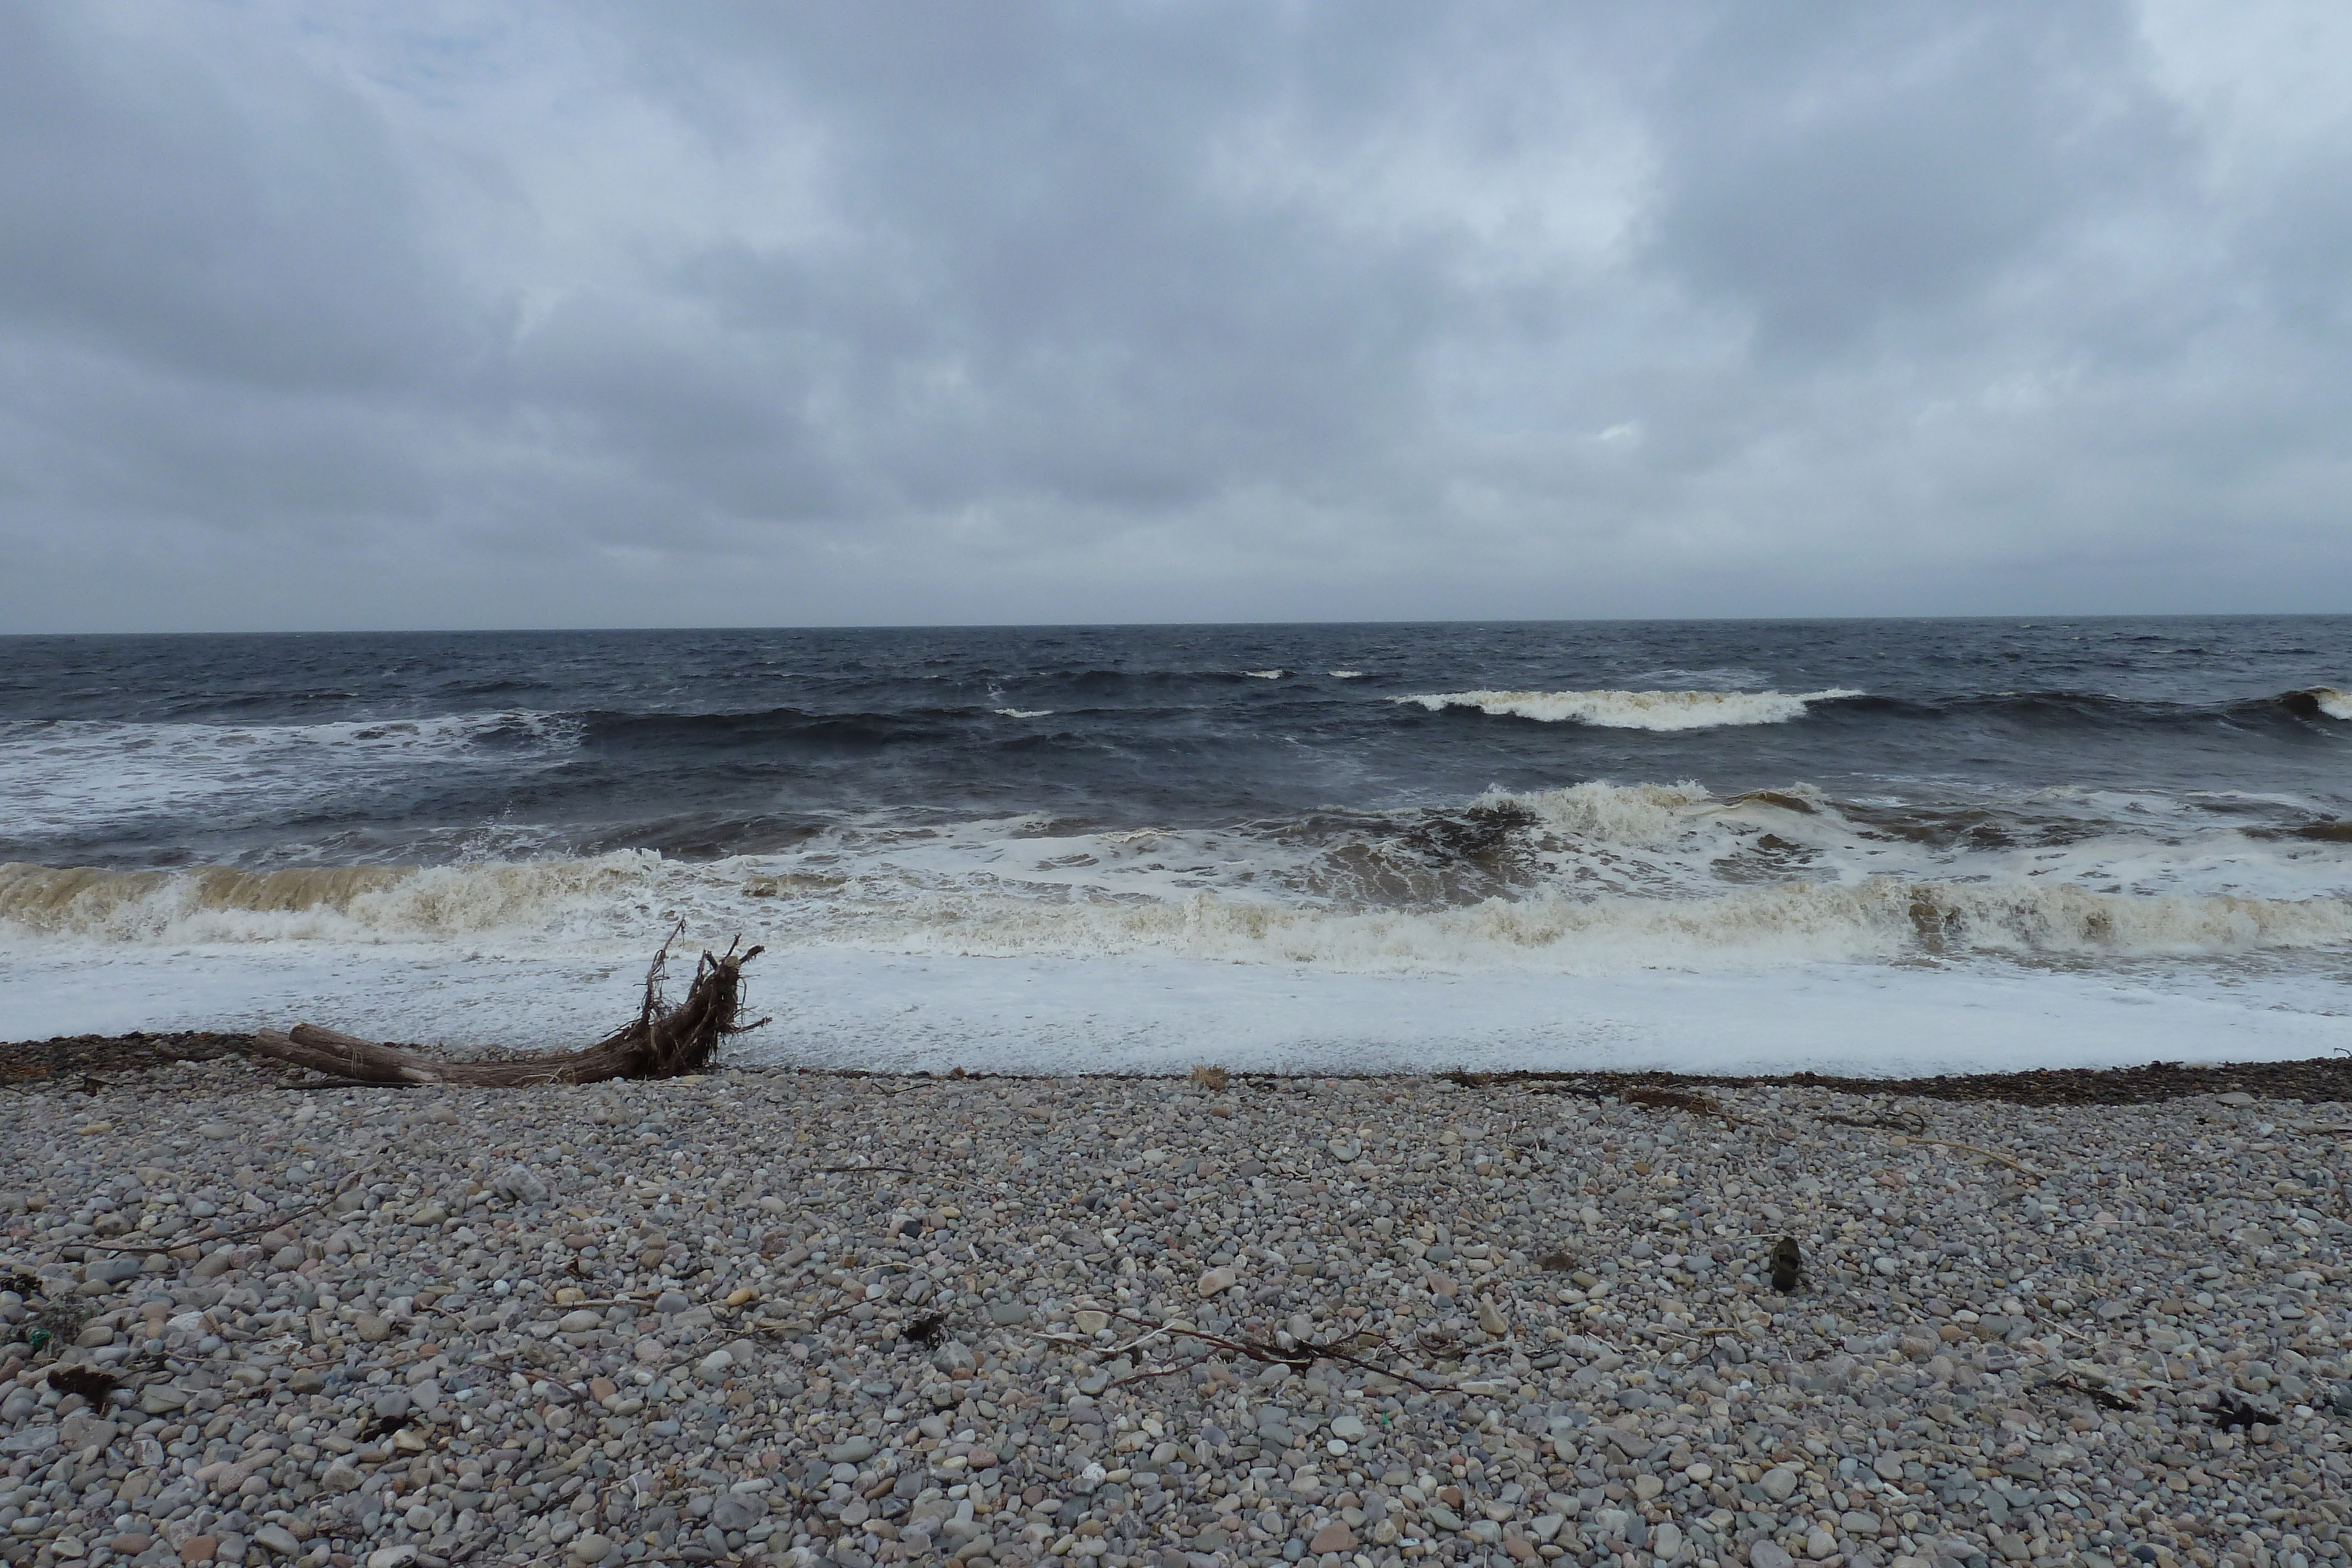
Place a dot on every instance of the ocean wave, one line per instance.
(775, 726)
(606, 903)
(1882, 918)
(1636, 710)
(1347, 674)
(2326, 701)
(1266, 674)
(1673, 710)
(1022, 712)
(362, 903)
(66, 774)
(1589, 875)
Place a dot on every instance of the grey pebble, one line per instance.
(855, 1362)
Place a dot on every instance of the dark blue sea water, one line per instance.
(269, 750)
(1865, 840)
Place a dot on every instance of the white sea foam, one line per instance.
(2333, 703)
(1022, 712)
(898, 1012)
(1266, 674)
(1347, 674)
(1591, 879)
(1636, 710)
(71, 773)
(1759, 929)
(1025, 944)
(531, 903)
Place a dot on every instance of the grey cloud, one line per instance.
(1833, 164)
(571, 313)
(156, 215)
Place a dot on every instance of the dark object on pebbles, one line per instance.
(2233, 1414)
(925, 1330)
(383, 1427)
(86, 1381)
(2104, 1397)
(1555, 1262)
(658, 1044)
(1788, 1264)
(1661, 1099)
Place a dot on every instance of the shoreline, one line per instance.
(24, 1064)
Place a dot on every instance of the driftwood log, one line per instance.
(659, 1042)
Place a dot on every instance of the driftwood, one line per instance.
(657, 1044)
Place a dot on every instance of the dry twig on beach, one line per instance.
(1298, 1356)
(658, 1043)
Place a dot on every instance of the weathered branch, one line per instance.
(656, 1044)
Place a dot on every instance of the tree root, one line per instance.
(658, 1043)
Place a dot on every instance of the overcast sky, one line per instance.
(512, 313)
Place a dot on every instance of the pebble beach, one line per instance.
(786, 1317)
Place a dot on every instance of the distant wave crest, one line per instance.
(1636, 710)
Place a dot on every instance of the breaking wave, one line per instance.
(614, 899)
(2324, 700)
(1881, 918)
(365, 903)
(1636, 710)
(72, 773)
(1590, 878)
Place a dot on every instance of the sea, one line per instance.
(1885, 847)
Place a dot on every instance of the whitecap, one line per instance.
(1266, 674)
(1022, 712)
(1636, 710)
(2333, 703)
(67, 774)
(1347, 674)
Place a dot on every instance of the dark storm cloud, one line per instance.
(324, 314)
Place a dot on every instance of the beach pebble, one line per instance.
(895, 1366)
(520, 1183)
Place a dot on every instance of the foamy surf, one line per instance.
(1587, 880)
(879, 1011)
(76, 774)
(1661, 711)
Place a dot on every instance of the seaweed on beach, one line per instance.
(1661, 1099)
(2104, 1397)
(89, 1382)
(1788, 1264)
(2230, 1414)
